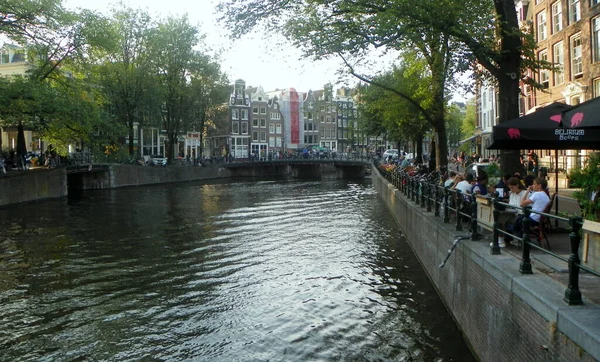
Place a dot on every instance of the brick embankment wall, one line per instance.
(17, 187)
(132, 175)
(503, 315)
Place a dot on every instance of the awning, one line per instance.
(468, 139)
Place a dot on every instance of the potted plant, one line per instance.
(587, 180)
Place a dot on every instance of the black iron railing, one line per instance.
(426, 190)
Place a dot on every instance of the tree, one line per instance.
(209, 90)
(122, 67)
(353, 29)
(398, 115)
(189, 82)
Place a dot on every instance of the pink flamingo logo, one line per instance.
(576, 119)
(514, 133)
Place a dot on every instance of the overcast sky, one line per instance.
(251, 58)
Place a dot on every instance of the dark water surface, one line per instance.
(257, 271)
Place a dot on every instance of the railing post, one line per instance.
(423, 188)
(436, 198)
(412, 189)
(495, 248)
(459, 201)
(475, 235)
(525, 267)
(417, 199)
(572, 294)
(446, 205)
(429, 196)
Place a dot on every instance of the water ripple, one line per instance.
(279, 271)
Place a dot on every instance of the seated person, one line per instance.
(450, 181)
(463, 184)
(514, 197)
(480, 187)
(538, 200)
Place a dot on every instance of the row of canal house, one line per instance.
(259, 122)
(284, 121)
(567, 33)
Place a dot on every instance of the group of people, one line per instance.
(512, 189)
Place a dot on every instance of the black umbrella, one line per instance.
(543, 129)
(586, 115)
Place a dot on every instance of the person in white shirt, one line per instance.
(538, 200)
(450, 181)
(464, 185)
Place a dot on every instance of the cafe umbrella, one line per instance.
(583, 116)
(545, 129)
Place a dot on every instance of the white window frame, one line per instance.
(244, 114)
(576, 56)
(596, 39)
(254, 136)
(263, 123)
(278, 128)
(596, 89)
(557, 18)
(244, 127)
(574, 11)
(271, 128)
(235, 127)
(235, 113)
(544, 73)
(542, 29)
(558, 57)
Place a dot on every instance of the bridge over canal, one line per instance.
(301, 168)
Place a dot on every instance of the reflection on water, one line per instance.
(277, 271)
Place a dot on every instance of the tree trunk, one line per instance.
(508, 94)
(441, 148)
(130, 134)
(508, 75)
(419, 150)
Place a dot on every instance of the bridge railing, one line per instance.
(461, 209)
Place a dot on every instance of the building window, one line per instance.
(275, 115)
(271, 128)
(263, 136)
(596, 39)
(594, 2)
(263, 123)
(596, 89)
(278, 128)
(235, 127)
(559, 63)
(254, 136)
(574, 11)
(255, 110)
(541, 26)
(576, 56)
(244, 127)
(235, 114)
(556, 17)
(263, 110)
(244, 114)
(544, 73)
(254, 122)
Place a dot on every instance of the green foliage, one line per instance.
(587, 179)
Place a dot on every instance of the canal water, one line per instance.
(233, 271)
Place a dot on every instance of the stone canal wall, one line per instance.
(503, 315)
(132, 175)
(30, 186)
